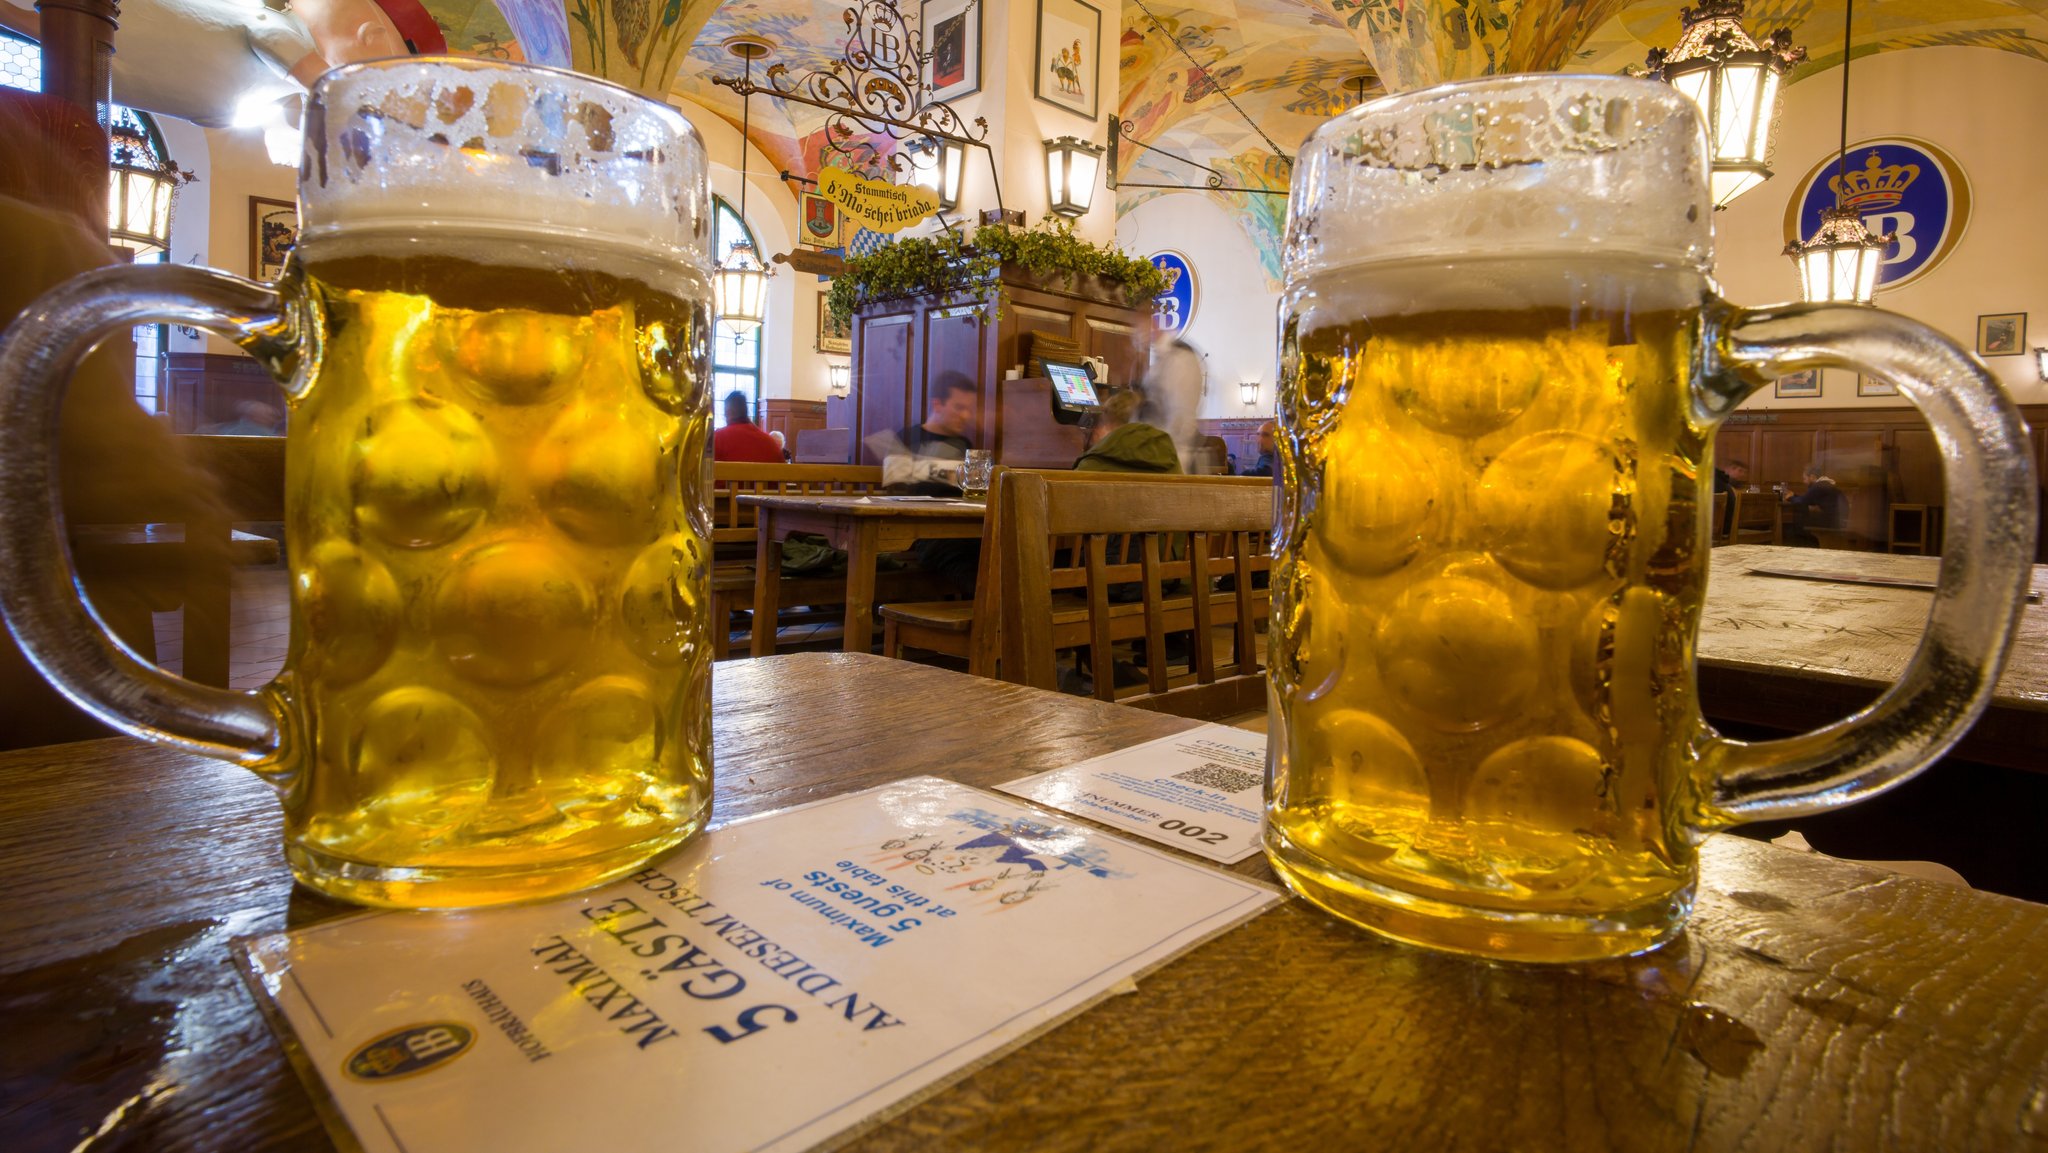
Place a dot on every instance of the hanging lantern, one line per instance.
(1840, 262)
(936, 164)
(741, 287)
(1070, 168)
(140, 190)
(1734, 80)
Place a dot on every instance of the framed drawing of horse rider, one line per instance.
(1069, 55)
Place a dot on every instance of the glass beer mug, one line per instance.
(492, 337)
(1502, 367)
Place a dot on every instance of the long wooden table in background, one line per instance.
(1796, 654)
(1812, 1003)
(866, 527)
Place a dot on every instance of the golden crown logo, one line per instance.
(1875, 186)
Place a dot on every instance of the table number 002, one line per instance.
(1196, 832)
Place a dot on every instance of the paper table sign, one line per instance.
(778, 981)
(1199, 790)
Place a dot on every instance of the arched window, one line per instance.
(735, 357)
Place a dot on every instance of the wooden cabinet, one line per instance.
(901, 347)
(790, 417)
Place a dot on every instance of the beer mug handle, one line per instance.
(40, 596)
(1985, 564)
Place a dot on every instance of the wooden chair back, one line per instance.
(1173, 537)
(824, 445)
(250, 471)
(1722, 526)
(1755, 518)
(732, 522)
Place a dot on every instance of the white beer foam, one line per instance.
(1510, 166)
(516, 165)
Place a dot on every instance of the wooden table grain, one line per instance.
(866, 527)
(1796, 654)
(1811, 1005)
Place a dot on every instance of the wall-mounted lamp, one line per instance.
(1248, 391)
(841, 378)
(936, 164)
(1070, 169)
(2041, 362)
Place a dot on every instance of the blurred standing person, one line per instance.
(1173, 388)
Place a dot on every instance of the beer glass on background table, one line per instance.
(492, 337)
(1502, 366)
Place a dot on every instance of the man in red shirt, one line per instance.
(741, 438)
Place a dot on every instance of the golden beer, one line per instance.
(1492, 568)
(499, 553)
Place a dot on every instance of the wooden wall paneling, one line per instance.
(1119, 346)
(789, 417)
(1916, 462)
(1782, 455)
(1845, 451)
(883, 373)
(839, 412)
(1736, 442)
(201, 389)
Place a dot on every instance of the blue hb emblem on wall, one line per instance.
(1175, 307)
(1899, 185)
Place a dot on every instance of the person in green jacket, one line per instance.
(1123, 444)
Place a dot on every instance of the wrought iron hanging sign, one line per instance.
(876, 89)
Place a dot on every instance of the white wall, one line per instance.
(1984, 108)
(1234, 321)
(211, 220)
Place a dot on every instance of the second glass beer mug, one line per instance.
(493, 339)
(1502, 365)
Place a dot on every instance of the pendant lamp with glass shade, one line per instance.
(1734, 80)
(141, 186)
(1839, 263)
(740, 283)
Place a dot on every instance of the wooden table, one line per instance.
(866, 527)
(1796, 654)
(1812, 1004)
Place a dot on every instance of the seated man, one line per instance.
(741, 439)
(1264, 465)
(925, 460)
(1822, 505)
(1732, 478)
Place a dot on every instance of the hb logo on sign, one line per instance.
(408, 1051)
(1907, 188)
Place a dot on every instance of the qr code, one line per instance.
(1215, 776)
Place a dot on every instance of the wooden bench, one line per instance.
(734, 536)
(971, 629)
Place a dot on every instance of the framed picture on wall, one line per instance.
(273, 229)
(1068, 55)
(952, 37)
(831, 337)
(2002, 334)
(1871, 386)
(1800, 384)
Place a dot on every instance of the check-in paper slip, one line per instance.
(776, 983)
(1200, 790)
